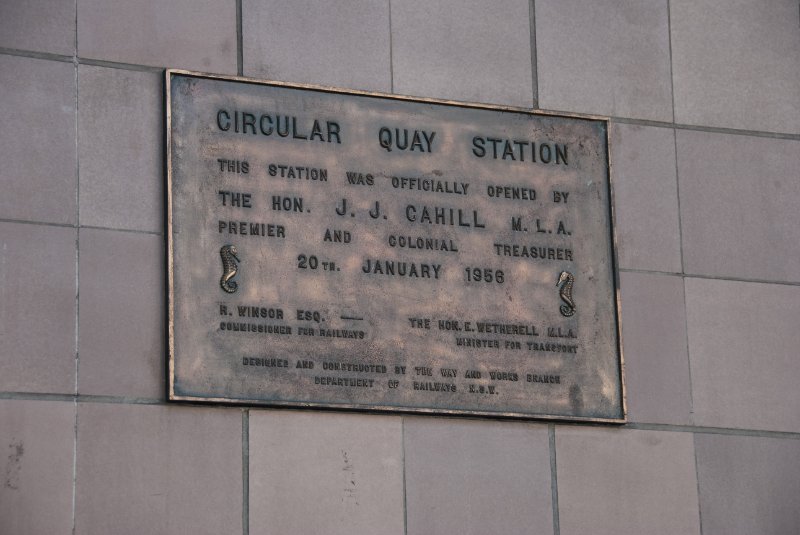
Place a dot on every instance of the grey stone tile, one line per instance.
(157, 469)
(605, 57)
(477, 477)
(645, 197)
(344, 43)
(37, 142)
(39, 25)
(37, 309)
(735, 64)
(613, 481)
(748, 484)
(37, 439)
(463, 50)
(121, 148)
(739, 201)
(743, 340)
(656, 359)
(325, 473)
(184, 34)
(121, 343)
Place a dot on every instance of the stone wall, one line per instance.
(704, 97)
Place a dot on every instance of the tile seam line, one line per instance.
(697, 484)
(68, 398)
(675, 147)
(22, 53)
(624, 120)
(671, 69)
(405, 487)
(246, 471)
(686, 325)
(77, 277)
(391, 51)
(551, 439)
(704, 430)
(39, 223)
(86, 398)
(47, 56)
(122, 66)
(688, 360)
(239, 39)
(699, 128)
(534, 52)
(128, 230)
(709, 277)
(76, 226)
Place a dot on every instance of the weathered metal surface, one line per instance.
(352, 250)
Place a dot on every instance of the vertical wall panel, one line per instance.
(325, 473)
(735, 63)
(343, 43)
(37, 440)
(40, 25)
(654, 345)
(155, 469)
(184, 34)
(121, 341)
(463, 50)
(605, 57)
(743, 340)
(748, 484)
(477, 477)
(616, 481)
(121, 148)
(646, 197)
(739, 204)
(37, 141)
(37, 308)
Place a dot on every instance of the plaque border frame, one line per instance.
(363, 408)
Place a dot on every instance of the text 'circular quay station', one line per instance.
(400, 267)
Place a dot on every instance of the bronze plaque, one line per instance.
(332, 248)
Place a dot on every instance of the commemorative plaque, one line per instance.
(350, 250)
